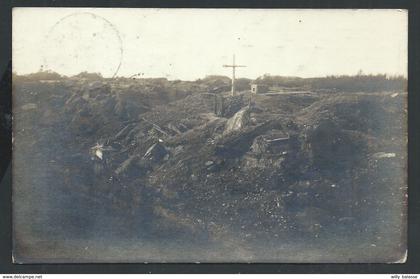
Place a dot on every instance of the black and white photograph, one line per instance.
(158, 135)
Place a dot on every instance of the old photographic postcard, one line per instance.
(209, 135)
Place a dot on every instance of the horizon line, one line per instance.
(139, 77)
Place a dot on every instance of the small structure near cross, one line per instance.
(233, 66)
(259, 88)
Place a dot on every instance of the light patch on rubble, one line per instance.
(29, 106)
(381, 155)
(99, 153)
(238, 121)
(97, 150)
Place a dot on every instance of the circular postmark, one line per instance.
(83, 42)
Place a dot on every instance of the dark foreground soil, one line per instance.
(143, 173)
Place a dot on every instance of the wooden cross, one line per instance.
(233, 66)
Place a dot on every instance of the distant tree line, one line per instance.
(41, 75)
(50, 75)
(360, 82)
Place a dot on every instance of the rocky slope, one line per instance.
(207, 168)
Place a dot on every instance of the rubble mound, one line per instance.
(280, 167)
(237, 122)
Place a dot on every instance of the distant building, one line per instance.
(258, 88)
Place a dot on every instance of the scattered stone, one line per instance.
(156, 152)
(381, 155)
(127, 165)
(237, 122)
(29, 106)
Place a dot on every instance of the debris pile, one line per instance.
(165, 163)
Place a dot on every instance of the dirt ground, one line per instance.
(153, 168)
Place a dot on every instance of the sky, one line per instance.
(189, 44)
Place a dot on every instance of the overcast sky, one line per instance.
(192, 43)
